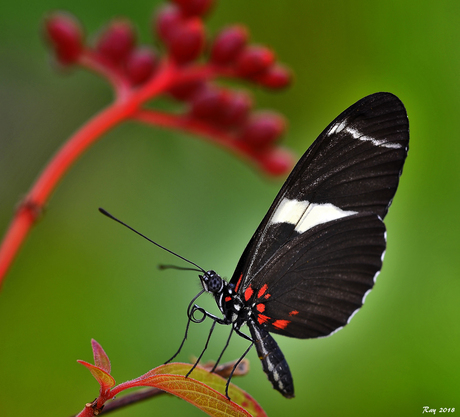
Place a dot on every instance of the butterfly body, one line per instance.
(317, 252)
(238, 311)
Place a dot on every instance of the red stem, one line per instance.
(93, 62)
(191, 125)
(33, 204)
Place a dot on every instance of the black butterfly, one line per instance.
(315, 256)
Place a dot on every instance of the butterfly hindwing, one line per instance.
(312, 285)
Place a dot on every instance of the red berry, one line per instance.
(253, 60)
(277, 161)
(167, 20)
(140, 65)
(187, 41)
(208, 103)
(194, 7)
(65, 34)
(116, 41)
(236, 108)
(277, 76)
(262, 129)
(228, 44)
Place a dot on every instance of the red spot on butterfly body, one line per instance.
(238, 283)
(227, 299)
(248, 293)
(262, 319)
(260, 308)
(262, 291)
(281, 324)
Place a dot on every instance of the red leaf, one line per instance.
(203, 389)
(105, 380)
(100, 357)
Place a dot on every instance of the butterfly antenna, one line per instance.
(106, 213)
(180, 268)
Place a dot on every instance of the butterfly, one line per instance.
(317, 252)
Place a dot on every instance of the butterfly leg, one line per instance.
(244, 336)
(193, 318)
(183, 340)
(202, 352)
(237, 330)
(236, 364)
(223, 350)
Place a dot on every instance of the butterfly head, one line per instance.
(212, 282)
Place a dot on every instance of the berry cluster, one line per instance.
(187, 71)
(193, 65)
(115, 52)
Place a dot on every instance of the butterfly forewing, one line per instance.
(354, 166)
(356, 162)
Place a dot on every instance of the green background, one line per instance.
(80, 276)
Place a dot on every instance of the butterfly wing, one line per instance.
(352, 168)
(313, 285)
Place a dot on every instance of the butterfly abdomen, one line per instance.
(273, 362)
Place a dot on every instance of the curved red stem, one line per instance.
(194, 126)
(33, 204)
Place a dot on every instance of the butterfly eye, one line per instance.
(212, 282)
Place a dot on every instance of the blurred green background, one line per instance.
(80, 276)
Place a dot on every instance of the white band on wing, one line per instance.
(306, 215)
